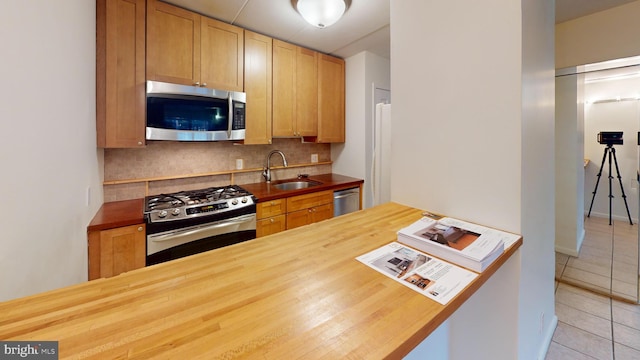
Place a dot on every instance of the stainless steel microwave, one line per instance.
(192, 113)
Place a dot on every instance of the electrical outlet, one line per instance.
(239, 164)
(541, 323)
(88, 203)
(314, 158)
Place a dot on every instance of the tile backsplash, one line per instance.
(171, 166)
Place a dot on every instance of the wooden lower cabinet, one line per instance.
(272, 225)
(309, 216)
(271, 217)
(118, 250)
(292, 212)
(309, 208)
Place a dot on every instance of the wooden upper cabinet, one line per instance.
(331, 120)
(295, 90)
(187, 48)
(284, 88)
(173, 44)
(221, 50)
(306, 92)
(120, 73)
(257, 84)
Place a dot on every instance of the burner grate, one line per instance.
(191, 197)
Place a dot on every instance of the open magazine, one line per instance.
(434, 278)
(472, 246)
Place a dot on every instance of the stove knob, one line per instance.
(175, 212)
(162, 213)
(244, 200)
(234, 202)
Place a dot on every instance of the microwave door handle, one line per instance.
(230, 118)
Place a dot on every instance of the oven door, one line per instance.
(174, 244)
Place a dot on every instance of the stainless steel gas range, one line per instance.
(189, 222)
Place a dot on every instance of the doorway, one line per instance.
(598, 252)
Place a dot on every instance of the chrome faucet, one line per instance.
(267, 171)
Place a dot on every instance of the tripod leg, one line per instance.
(624, 196)
(610, 177)
(604, 156)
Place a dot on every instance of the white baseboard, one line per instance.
(548, 336)
(581, 239)
(571, 251)
(567, 251)
(614, 217)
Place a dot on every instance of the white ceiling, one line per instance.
(364, 26)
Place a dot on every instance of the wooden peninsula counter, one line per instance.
(299, 294)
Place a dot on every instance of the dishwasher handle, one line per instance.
(344, 194)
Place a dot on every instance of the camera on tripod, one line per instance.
(610, 137)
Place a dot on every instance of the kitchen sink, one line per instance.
(296, 184)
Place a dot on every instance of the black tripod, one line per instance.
(610, 150)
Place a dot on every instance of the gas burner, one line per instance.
(185, 204)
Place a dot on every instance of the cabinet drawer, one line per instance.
(271, 225)
(300, 202)
(271, 208)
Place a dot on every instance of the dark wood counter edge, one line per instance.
(452, 306)
(117, 214)
(130, 212)
(266, 192)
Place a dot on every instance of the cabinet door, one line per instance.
(114, 251)
(306, 120)
(284, 88)
(330, 99)
(271, 225)
(173, 44)
(120, 73)
(257, 83)
(322, 212)
(222, 60)
(298, 218)
(271, 208)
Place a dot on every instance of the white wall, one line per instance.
(48, 148)
(570, 173)
(473, 130)
(353, 158)
(605, 35)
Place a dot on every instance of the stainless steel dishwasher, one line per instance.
(346, 201)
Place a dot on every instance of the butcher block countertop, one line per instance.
(298, 294)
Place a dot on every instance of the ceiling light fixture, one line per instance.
(321, 13)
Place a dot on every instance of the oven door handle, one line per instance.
(202, 231)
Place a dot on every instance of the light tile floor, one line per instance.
(593, 326)
(608, 260)
(592, 322)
